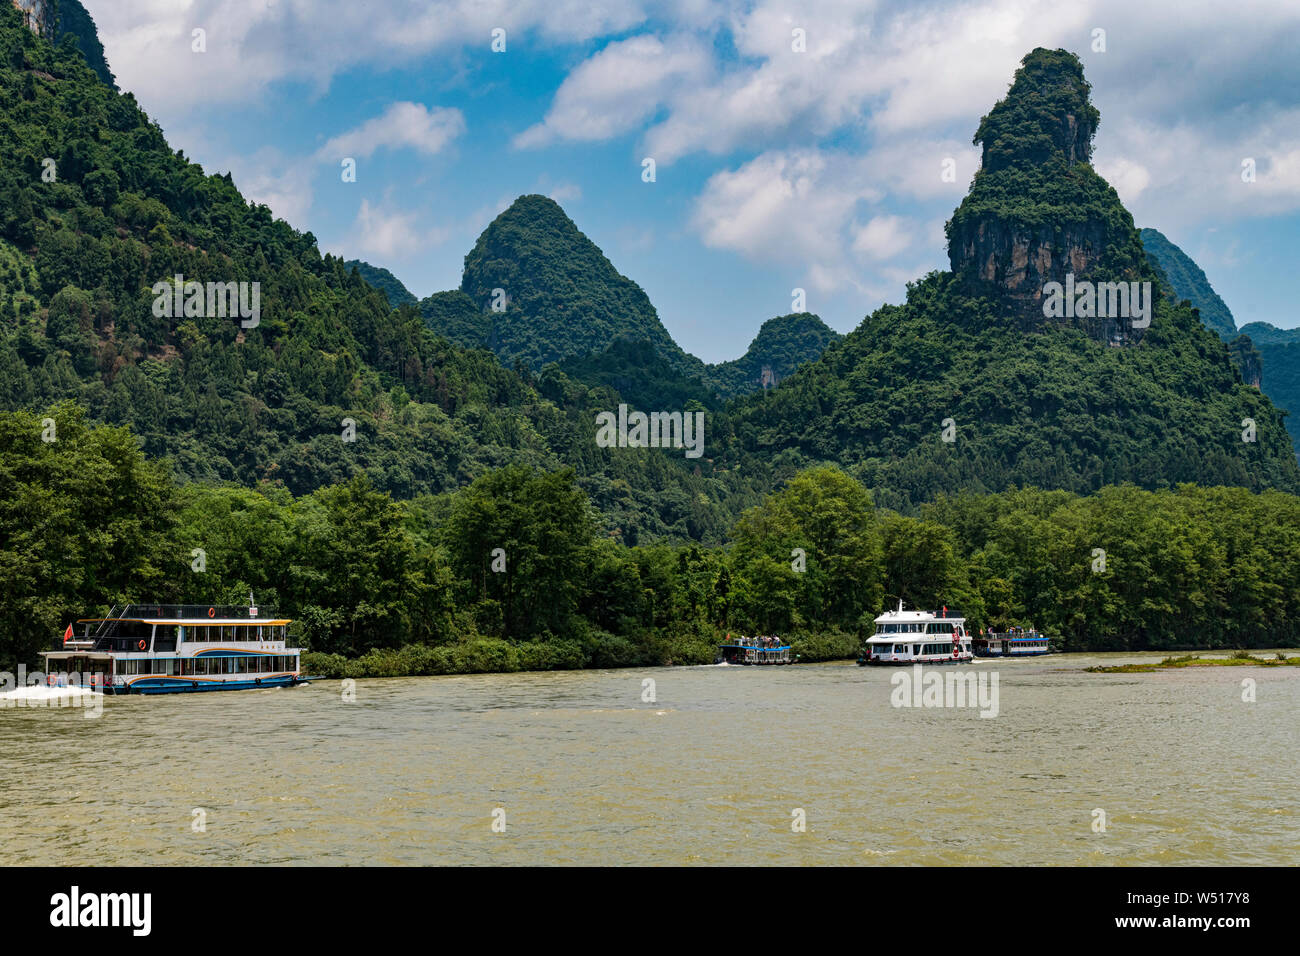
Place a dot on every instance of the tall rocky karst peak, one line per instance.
(1046, 114)
(1037, 210)
(548, 293)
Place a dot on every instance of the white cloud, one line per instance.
(882, 238)
(788, 207)
(401, 125)
(252, 44)
(566, 192)
(1175, 175)
(1128, 177)
(618, 88)
(386, 234)
(812, 142)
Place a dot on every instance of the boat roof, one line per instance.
(189, 620)
(916, 617)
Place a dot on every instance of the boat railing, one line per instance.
(184, 611)
(104, 628)
(111, 621)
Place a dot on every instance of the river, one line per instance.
(810, 764)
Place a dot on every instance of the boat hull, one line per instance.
(878, 662)
(753, 663)
(189, 685)
(196, 685)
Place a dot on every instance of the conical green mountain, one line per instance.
(969, 385)
(548, 293)
(782, 345)
(536, 290)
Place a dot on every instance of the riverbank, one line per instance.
(598, 650)
(594, 649)
(1239, 659)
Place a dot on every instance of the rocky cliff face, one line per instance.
(1037, 213)
(1022, 259)
(1248, 360)
(41, 16)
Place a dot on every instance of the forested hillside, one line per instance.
(82, 247)
(968, 386)
(379, 587)
(781, 346)
(548, 293)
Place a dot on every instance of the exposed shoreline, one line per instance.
(1238, 659)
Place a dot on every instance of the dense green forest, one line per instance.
(420, 586)
(358, 465)
(781, 346)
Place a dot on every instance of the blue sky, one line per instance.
(776, 168)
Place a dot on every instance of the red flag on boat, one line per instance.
(67, 635)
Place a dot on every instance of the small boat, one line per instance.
(754, 650)
(918, 637)
(1013, 642)
(175, 648)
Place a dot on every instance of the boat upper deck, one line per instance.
(165, 627)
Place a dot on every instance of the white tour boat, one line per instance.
(918, 637)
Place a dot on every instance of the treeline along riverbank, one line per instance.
(517, 571)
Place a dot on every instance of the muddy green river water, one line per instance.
(809, 764)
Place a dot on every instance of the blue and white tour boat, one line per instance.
(1013, 642)
(170, 648)
(754, 650)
